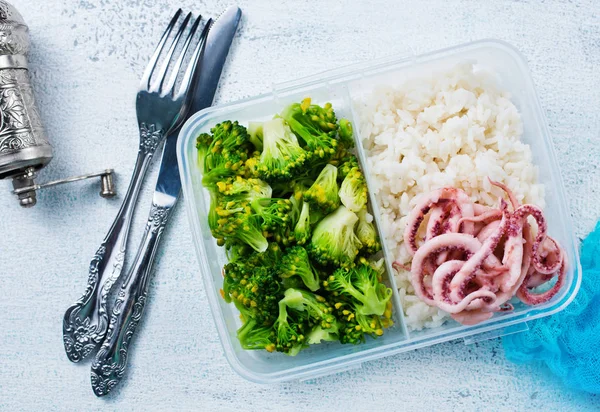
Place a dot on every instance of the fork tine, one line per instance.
(177, 67)
(190, 72)
(160, 77)
(145, 83)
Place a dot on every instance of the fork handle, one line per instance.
(110, 362)
(85, 322)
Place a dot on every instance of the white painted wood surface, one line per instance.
(86, 60)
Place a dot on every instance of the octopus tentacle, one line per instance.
(443, 276)
(505, 295)
(435, 226)
(466, 272)
(483, 217)
(537, 260)
(488, 230)
(530, 298)
(511, 196)
(439, 223)
(400, 266)
(480, 209)
(549, 257)
(416, 217)
(443, 243)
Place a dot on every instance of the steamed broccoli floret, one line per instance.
(333, 240)
(346, 133)
(295, 186)
(362, 286)
(237, 251)
(296, 263)
(351, 313)
(281, 156)
(218, 161)
(277, 218)
(372, 324)
(353, 191)
(254, 290)
(291, 330)
(318, 335)
(324, 192)
(235, 221)
(349, 331)
(223, 168)
(349, 163)
(251, 164)
(300, 185)
(244, 189)
(354, 327)
(253, 336)
(319, 312)
(269, 258)
(316, 126)
(231, 137)
(274, 213)
(302, 228)
(366, 233)
(342, 155)
(255, 131)
(226, 154)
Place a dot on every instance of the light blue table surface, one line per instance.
(86, 61)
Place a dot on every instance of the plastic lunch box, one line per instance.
(340, 87)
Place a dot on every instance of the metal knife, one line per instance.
(110, 362)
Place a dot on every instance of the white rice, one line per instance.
(449, 128)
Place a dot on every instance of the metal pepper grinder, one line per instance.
(24, 147)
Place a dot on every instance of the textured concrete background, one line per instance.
(87, 58)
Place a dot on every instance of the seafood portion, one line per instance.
(474, 258)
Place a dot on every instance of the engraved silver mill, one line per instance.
(24, 147)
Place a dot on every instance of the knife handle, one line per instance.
(110, 362)
(86, 321)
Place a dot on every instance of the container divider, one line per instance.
(362, 158)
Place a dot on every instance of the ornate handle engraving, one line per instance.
(83, 332)
(150, 138)
(20, 124)
(110, 363)
(85, 323)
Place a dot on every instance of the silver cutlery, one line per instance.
(161, 109)
(110, 362)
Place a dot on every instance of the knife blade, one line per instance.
(111, 360)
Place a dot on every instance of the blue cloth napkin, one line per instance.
(568, 342)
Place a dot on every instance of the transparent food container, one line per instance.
(339, 87)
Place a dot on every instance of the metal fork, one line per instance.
(160, 110)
